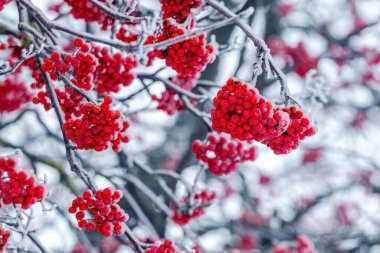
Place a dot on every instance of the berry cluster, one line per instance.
(193, 210)
(4, 237)
(179, 9)
(298, 130)
(70, 101)
(222, 154)
(188, 57)
(17, 187)
(84, 9)
(97, 127)
(246, 115)
(13, 95)
(303, 245)
(106, 215)
(82, 64)
(166, 246)
(126, 35)
(112, 70)
(298, 57)
(170, 101)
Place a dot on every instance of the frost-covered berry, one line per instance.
(222, 154)
(100, 212)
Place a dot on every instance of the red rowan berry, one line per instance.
(188, 57)
(222, 154)
(84, 9)
(82, 65)
(18, 187)
(298, 130)
(97, 127)
(107, 218)
(244, 114)
(166, 246)
(201, 200)
(112, 70)
(179, 9)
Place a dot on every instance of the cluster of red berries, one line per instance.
(84, 9)
(170, 101)
(106, 215)
(39, 81)
(112, 70)
(179, 9)
(83, 64)
(4, 237)
(97, 127)
(17, 187)
(303, 246)
(187, 58)
(70, 101)
(222, 154)
(298, 57)
(196, 209)
(13, 95)
(299, 128)
(3, 3)
(246, 115)
(166, 246)
(126, 35)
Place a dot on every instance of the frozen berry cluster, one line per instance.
(298, 129)
(166, 246)
(70, 101)
(126, 34)
(170, 101)
(113, 70)
(303, 245)
(106, 216)
(194, 209)
(178, 9)
(97, 127)
(222, 154)
(82, 65)
(246, 115)
(18, 187)
(84, 9)
(187, 58)
(4, 237)
(13, 94)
